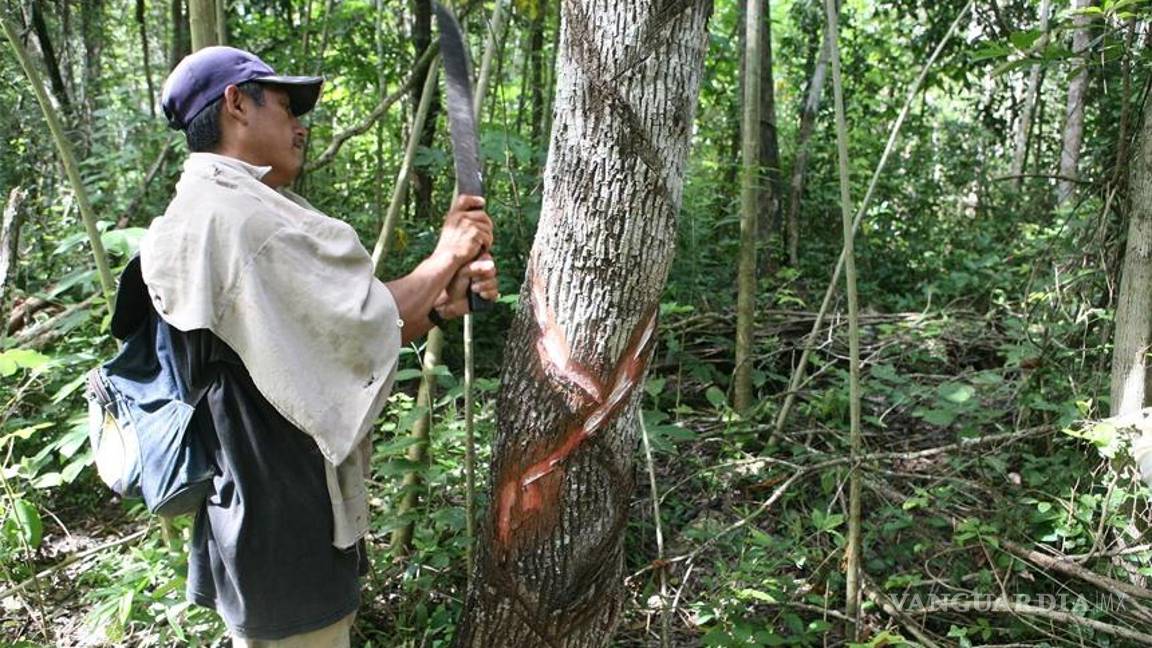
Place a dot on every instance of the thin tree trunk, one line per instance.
(1074, 112)
(1123, 137)
(536, 72)
(51, 64)
(1134, 304)
(141, 22)
(550, 554)
(770, 186)
(550, 71)
(221, 22)
(1031, 97)
(10, 238)
(422, 182)
(202, 23)
(68, 159)
(852, 550)
(804, 147)
(750, 205)
(92, 32)
(181, 43)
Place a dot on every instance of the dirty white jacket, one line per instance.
(294, 294)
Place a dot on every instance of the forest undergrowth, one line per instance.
(994, 511)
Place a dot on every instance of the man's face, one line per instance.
(274, 137)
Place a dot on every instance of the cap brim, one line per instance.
(303, 91)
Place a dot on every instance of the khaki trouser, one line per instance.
(337, 635)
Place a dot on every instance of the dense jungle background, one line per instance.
(1005, 151)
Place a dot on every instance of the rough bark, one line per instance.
(750, 206)
(1074, 112)
(1031, 98)
(181, 43)
(48, 52)
(422, 182)
(804, 147)
(550, 555)
(1134, 306)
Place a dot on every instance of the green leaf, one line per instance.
(716, 396)
(938, 417)
(28, 519)
(956, 392)
(15, 359)
(756, 595)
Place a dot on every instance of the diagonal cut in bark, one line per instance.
(528, 495)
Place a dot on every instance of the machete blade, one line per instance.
(461, 119)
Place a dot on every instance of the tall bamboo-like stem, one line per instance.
(469, 346)
(378, 188)
(665, 611)
(913, 93)
(749, 207)
(402, 538)
(495, 33)
(384, 242)
(68, 159)
(852, 559)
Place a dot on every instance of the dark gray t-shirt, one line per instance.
(261, 552)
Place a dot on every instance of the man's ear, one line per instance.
(235, 104)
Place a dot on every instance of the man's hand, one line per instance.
(466, 233)
(479, 276)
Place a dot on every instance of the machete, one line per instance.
(461, 118)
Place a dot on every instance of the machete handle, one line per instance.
(476, 303)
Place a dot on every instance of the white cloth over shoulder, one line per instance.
(294, 294)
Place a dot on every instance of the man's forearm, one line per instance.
(417, 292)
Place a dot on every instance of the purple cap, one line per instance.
(201, 78)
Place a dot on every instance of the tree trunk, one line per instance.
(1031, 97)
(92, 32)
(1074, 113)
(202, 23)
(142, 24)
(10, 239)
(550, 554)
(51, 64)
(536, 70)
(804, 147)
(221, 22)
(1134, 305)
(750, 205)
(423, 182)
(770, 186)
(181, 43)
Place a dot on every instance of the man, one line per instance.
(281, 318)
